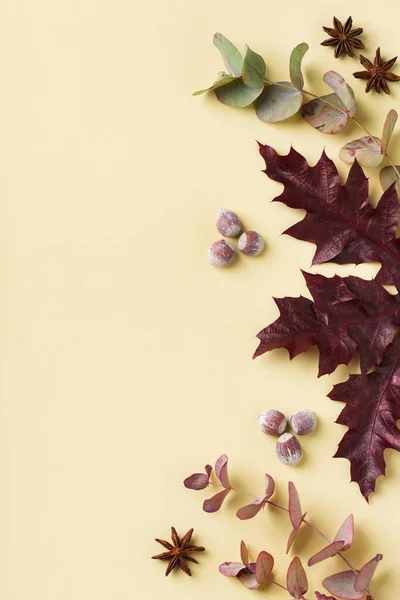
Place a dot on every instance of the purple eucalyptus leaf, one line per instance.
(221, 470)
(366, 573)
(346, 533)
(296, 579)
(264, 566)
(213, 504)
(250, 510)
(342, 585)
(327, 552)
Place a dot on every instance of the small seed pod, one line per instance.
(303, 421)
(228, 223)
(288, 449)
(221, 253)
(251, 243)
(272, 422)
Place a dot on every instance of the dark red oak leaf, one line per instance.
(339, 219)
(371, 411)
(347, 314)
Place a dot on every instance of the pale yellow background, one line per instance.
(125, 358)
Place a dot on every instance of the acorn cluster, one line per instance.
(222, 252)
(288, 448)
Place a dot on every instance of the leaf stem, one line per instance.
(344, 112)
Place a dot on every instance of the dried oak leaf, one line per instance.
(347, 314)
(340, 219)
(371, 411)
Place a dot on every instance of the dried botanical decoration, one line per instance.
(347, 314)
(377, 73)
(343, 37)
(353, 584)
(178, 552)
(246, 82)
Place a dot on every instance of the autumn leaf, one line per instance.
(347, 314)
(340, 219)
(371, 411)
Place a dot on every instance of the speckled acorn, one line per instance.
(251, 243)
(303, 421)
(228, 223)
(288, 449)
(221, 253)
(272, 422)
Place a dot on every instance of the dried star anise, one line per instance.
(343, 37)
(378, 74)
(178, 551)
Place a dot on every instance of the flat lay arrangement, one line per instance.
(346, 316)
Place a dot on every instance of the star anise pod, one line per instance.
(343, 37)
(378, 74)
(178, 551)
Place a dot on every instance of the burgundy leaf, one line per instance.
(247, 577)
(244, 553)
(221, 470)
(295, 512)
(199, 481)
(296, 579)
(347, 314)
(346, 533)
(339, 219)
(269, 486)
(231, 569)
(250, 510)
(342, 585)
(293, 535)
(213, 504)
(366, 573)
(264, 566)
(323, 597)
(327, 552)
(371, 411)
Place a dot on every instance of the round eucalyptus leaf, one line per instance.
(237, 94)
(295, 65)
(232, 58)
(254, 68)
(388, 176)
(324, 116)
(366, 150)
(278, 102)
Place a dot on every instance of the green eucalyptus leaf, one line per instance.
(219, 82)
(232, 58)
(278, 102)
(388, 128)
(387, 176)
(296, 58)
(342, 90)
(325, 117)
(367, 150)
(253, 71)
(237, 94)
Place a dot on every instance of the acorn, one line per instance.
(221, 253)
(288, 449)
(303, 421)
(251, 243)
(272, 422)
(228, 223)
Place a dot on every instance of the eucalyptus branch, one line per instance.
(246, 83)
(253, 574)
